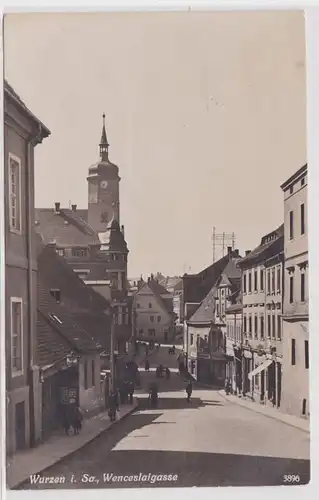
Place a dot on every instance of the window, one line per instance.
(79, 252)
(93, 372)
(256, 326)
(249, 282)
(293, 351)
(269, 326)
(217, 309)
(302, 218)
(56, 294)
(291, 289)
(152, 319)
(85, 374)
(245, 324)
(138, 305)
(149, 305)
(273, 281)
(15, 193)
(268, 281)
(192, 339)
(302, 287)
(16, 335)
(250, 325)
(245, 283)
(279, 327)
(278, 280)
(141, 330)
(158, 319)
(303, 181)
(262, 280)
(291, 225)
(262, 327)
(273, 326)
(256, 281)
(60, 251)
(291, 190)
(306, 354)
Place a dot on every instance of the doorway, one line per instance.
(20, 426)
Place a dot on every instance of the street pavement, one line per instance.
(207, 442)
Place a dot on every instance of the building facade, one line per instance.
(262, 295)
(233, 344)
(22, 132)
(295, 383)
(154, 312)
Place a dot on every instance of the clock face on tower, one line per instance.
(103, 184)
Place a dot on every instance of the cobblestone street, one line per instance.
(208, 442)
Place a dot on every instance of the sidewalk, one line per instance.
(35, 460)
(268, 411)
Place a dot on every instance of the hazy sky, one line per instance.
(206, 117)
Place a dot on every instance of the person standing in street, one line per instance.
(131, 392)
(189, 390)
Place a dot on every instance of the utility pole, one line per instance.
(222, 240)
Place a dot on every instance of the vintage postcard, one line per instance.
(156, 250)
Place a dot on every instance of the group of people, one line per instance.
(72, 417)
(160, 370)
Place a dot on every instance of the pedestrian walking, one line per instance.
(189, 390)
(147, 365)
(66, 421)
(131, 392)
(77, 420)
(168, 373)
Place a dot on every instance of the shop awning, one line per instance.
(260, 368)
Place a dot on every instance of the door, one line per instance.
(20, 426)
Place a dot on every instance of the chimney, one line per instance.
(236, 252)
(57, 207)
(229, 251)
(73, 208)
(247, 252)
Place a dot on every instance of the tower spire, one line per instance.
(104, 145)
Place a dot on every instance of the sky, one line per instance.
(205, 115)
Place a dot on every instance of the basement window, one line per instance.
(56, 294)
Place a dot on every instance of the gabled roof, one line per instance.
(65, 228)
(61, 320)
(56, 273)
(205, 313)
(159, 292)
(98, 323)
(271, 244)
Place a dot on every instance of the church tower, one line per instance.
(104, 189)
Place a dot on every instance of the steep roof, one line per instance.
(52, 347)
(159, 292)
(112, 239)
(10, 93)
(197, 286)
(61, 320)
(98, 323)
(65, 228)
(271, 244)
(57, 274)
(205, 313)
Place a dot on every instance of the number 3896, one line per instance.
(291, 478)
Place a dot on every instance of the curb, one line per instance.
(255, 410)
(68, 455)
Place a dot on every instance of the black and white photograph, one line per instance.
(156, 300)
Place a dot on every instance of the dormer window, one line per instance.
(56, 294)
(54, 318)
